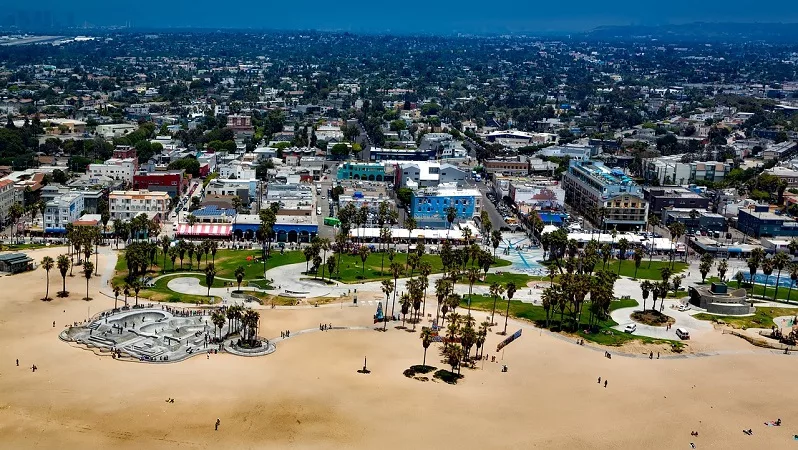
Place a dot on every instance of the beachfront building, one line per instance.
(62, 210)
(428, 205)
(126, 205)
(593, 189)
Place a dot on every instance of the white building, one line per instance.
(126, 205)
(115, 168)
(7, 197)
(237, 170)
(62, 210)
(110, 131)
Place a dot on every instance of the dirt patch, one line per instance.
(652, 318)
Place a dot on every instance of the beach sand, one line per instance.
(308, 394)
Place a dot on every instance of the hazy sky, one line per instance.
(440, 17)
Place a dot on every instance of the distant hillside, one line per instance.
(701, 31)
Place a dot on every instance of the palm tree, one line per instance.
(396, 269)
(47, 265)
(723, 266)
(473, 277)
(425, 269)
(753, 262)
(780, 261)
(173, 256)
(363, 251)
(495, 239)
(510, 292)
(767, 269)
(136, 288)
(623, 246)
(405, 303)
(210, 274)
(793, 268)
(496, 290)
(88, 271)
(63, 264)
(451, 214)
(426, 340)
(117, 291)
(165, 243)
(646, 286)
(217, 317)
(239, 273)
(387, 288)
(653, 220)
(638, 257)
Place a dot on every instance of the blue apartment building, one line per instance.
(428, 205)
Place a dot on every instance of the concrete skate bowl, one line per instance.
(138, 317)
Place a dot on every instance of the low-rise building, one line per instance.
(694, 220)
(670, 170)
(790, 176)
(429, 205)
(507, 166)
(761, 222)
(173, 183)
(660, 198)
(780, 152)
(419, 174)
(61, 211)
(126, 205)
(116, 169)
(351, 170)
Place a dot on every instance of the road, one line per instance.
(496, 219)
(365, 143)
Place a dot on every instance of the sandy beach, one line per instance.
(308, 394)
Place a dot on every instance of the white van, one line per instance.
(682, 333)
(318, 210)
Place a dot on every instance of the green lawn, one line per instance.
(760, 290)
(535, 313)
(351, 271)
(763, 318)
(161, 293)
(226, 263)
(644, 272)
(520, 279)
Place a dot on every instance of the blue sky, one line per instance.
(440, 17)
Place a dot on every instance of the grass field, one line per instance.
(226, 263)
(161, 293)
(644, 272)
(763, 318)
(351, 270)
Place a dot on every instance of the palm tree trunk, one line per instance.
(776, 294)
(425, 357)
(506, 315)
(495, 299)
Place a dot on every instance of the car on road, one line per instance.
(684, 308)
(631, 328)
(682, 333)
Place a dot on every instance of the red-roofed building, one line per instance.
(173, 183)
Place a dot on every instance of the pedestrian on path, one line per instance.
(218, 422)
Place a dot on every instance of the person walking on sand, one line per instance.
(599, 380)
(218, 421)
(605, 383)
(17, 362)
